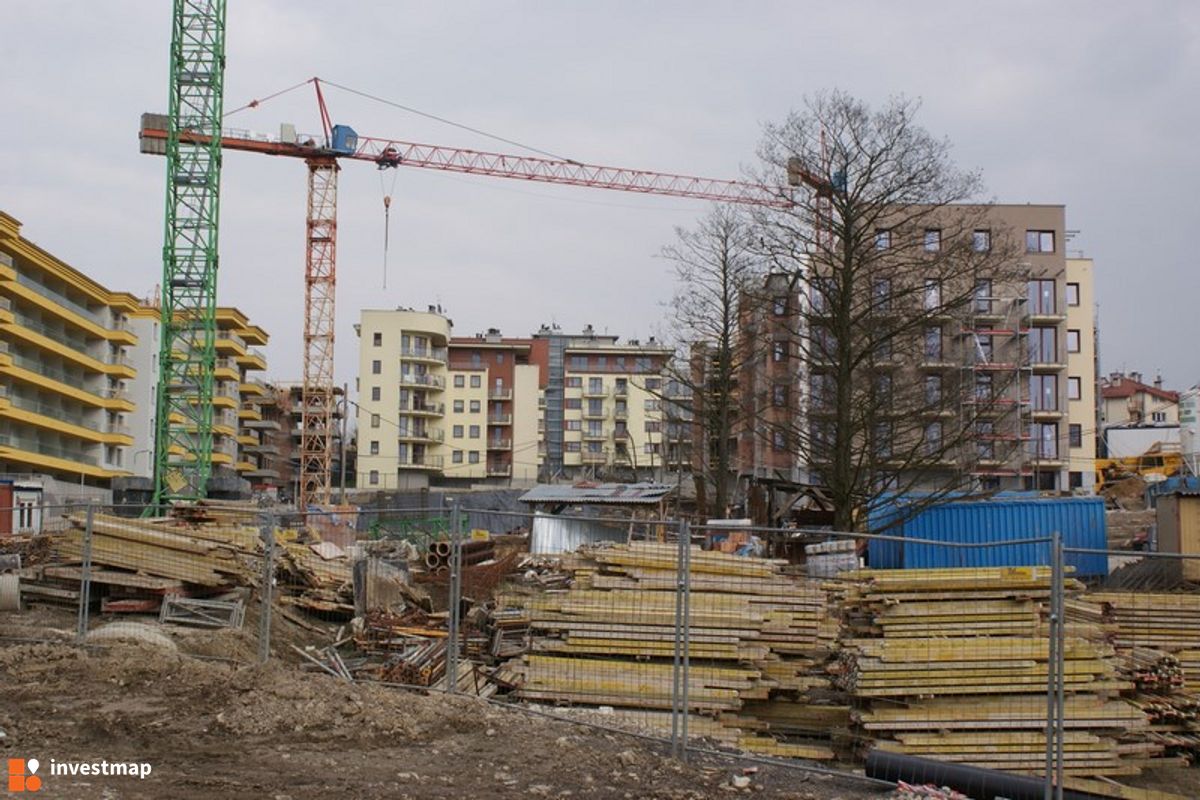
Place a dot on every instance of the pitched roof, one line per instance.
(1127, 387)
(609, 493)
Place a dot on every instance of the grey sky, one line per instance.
(1093, 105)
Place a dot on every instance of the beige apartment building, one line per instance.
(1082, 409)
(483, 409)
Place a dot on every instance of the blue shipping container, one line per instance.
(1079, 520)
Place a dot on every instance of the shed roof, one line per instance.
(586, 493)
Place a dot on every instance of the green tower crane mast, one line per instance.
(183, 421)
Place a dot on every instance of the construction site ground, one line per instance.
(213, 724)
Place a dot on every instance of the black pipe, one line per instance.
(975, 782)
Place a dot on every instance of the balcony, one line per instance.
(434, 354)
(499, 470)
(500, 395)
(595, 391)
(262, 449)
(253, 359)
(40, 448)
(621, 413)
(621, 390)
(262, 474)
(595, 436)
(421, 434)
(589, 414)
(588, 457)
(260, 424)
(499, 444)
(424, 409)
(500, 419)
(428, 381)
(421, 462)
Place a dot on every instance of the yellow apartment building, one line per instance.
(1082, 416)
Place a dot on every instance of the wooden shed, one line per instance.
(1179, 529)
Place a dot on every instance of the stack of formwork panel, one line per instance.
(756, 637)
(952, 664)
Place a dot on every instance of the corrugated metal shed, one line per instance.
(602, 493)
(1079, 520)
(551, 534)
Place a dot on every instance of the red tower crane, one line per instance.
(321, 154)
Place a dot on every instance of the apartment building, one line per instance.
(64, 353)
(1015, 358)
(1083, 417)
(237, 448)
(275, 429)
(1136, 417)
(493, 409)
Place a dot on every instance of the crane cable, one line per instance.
(387, 218)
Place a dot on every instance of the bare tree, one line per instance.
(715, 266)
(896, 276)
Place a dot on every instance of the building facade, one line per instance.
(1082, 400)
(65, 345)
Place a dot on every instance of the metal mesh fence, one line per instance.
(824, 647)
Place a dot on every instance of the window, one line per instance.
(595, 427)
(932, 443)
(595, 407)
(985, 444)
(1045, 440)
(883, 388)
(374, 448)
(1043, 345)
(1074, 480)
(985, 349)
(1074, 388)
(376, 367)
(574, 382)
(499, 358)
(458, 406)
(601, 361)
(1043, 392)
(883, 439)
(1075, 435)
(579, 362)
(473, 457)
(883, 239)
(981, 241)
(595, 447)
(822, 294)
(821, 385)
(933, 390)
(779, 394)
(933, 294)
(983, 387)
(1072, 341)
(653, 384)
(377, 339)
(474, 431)
(1072, 294)
(779, 351)
(475, 406)
(476, 381)
(456, 457)
(374, 477)
(983, 296)
(476, 358)
(779, 440)
(459, 381)
(652, 405)
(375, 392)
(595, 385)
(1158, 416)
(1039, 241)
(574, 425)
(653, 426)
(572, 404)
(933, 240)
(933, 343)
(779, 307)
(881, 294)
(1042, 296)
(457, 432)
(571, 447)
(374, 420)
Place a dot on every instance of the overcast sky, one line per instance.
(1091, 105)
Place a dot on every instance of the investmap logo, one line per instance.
(22, 775)
(23, 772)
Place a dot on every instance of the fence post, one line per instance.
(677, 659)
(455, 599)
(266, 532)
(1055, 666)
(1060, 668)
(85, 576)
(686, 535)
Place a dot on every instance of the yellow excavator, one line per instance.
(1158, 463)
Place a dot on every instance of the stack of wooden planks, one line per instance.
(952, 664)
(755, 635)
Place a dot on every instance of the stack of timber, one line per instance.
(757, 643)
(952, 664)
(1157, 639)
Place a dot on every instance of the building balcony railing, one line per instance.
(500, 419)
(41, 448)
(61, 300)
(500, 395)
(588, 414)
(434, 409)
(595, 391)
(421, 462)
(422, 435)
(499, 444)
(499, 470)
(428, 381)
(594, 436)
(591, 457)
(620, 390)
(621, 413)
(437, 354)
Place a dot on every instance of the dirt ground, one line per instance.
(212, 728)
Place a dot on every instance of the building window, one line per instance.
(1045, 440)
(822, 294)
(476, 381)
(1075, 434)
(983, 387)
(933, 390)
(1158, 416)
(595, 407)
(779, 351)
(573, 404)
(983, 296)
(933, 343)
(375, 393)
(779, 440)
(1043, 392)
(985, 444)
(579, 362)
(883, 439)
(374, 448)
(653, 384)
(1072, 341)
(459, 381)
(883, 239)
(474, 431)
(457, 432)
(574, 425)
(653, 426)
(571, 447)
(779, 394)
(374, 420)
(933, 294)
(883, 388)
(595, 385)
(476, 359)
(499, 358)
(932, 442)
(1073, 294)
(473, 458)
(475, 407)
(1043, 345)
(458, 406)
(1074, 388)
(779, 307)
(601, 361)
(881, 294)
(1074, 480)
(377, 339)
(574, 382)
(456, 457)
(648, 448)
(374, 477)
(981, 241)
(1039, 241)
(1042, 297)
(376, 367)
(933, 240)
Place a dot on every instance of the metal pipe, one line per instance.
(976, 782)
(455, 600)
(85, 577)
